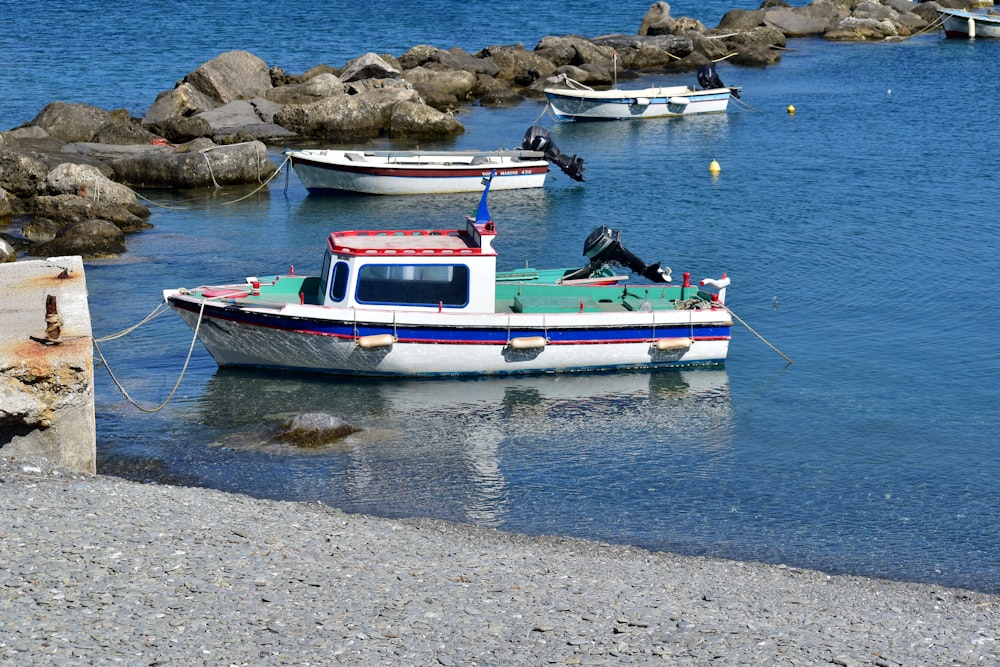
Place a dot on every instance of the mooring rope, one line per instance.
(160, 309)
(194, 339)
(751, 329)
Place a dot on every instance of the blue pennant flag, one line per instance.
(483, 214)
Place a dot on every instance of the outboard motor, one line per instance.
(709, 78)
(537, 138)
(604, 246)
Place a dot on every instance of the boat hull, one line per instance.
(570, 104)
(411, 343)
(961, 24)
(435, 175)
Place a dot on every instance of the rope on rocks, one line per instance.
(194, 339)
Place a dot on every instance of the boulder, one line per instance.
(71, 122)
(179, 129)
(120, 128)
(795, 24)
(573, 50)
(862, 30)
(313, 430)
(657, 20)
(180, 102)
(448, 87)
(236, 75)
(340, 118)
(216, 166)
(368, 66)
(460, 59)
(88, 238)
(491, 91)
(21, 175)
(68, 208)
(240, 121)
(7, 253)
(740, 19)
(415, 120)
(518, 65)
(88, 182)
(6, 211)
(311, 90)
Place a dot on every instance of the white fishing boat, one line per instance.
(575, 101)
(430, 302)
(961, 23)
(432, 172)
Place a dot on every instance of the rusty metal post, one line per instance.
(53, 323)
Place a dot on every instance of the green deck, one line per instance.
(511, 296)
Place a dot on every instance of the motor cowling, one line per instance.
(537, 138)
(709, 78)
(604, 246)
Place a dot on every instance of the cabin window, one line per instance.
(324, 276)
(338, 286)
(414, 284)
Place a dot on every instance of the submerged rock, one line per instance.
(313, 429)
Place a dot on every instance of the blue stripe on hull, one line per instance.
(462, 335)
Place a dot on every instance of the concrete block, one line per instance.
(47, 363)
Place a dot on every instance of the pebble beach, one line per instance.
(100, 570)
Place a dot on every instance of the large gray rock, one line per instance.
(69, 208)
(491, 91)
(5, 208)
(740, 19)
(313, 429)
(311, 90)
(88, 182)
(854, 29)
(235, 75)
(340, 118)
(7, 253)
(241, 121)
(441, 89)
(21, 175)
(518, 65)
(657, 20)
(71, 122)
(180, 102)
(368, 66)
(120, 128)
(793, 23)
(237, 164)
(574, 50)
(415, 120)
(89, 238)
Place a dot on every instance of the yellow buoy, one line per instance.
(714, 167)
(791, 109)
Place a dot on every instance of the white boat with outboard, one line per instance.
(430, 302)
(432, 172)
(576, 101)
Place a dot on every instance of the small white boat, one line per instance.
(432, 172)
(429, 302)
(960, 23)
(579, 102)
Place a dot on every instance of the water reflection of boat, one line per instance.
(448, 448)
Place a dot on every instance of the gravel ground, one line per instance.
(99, 570)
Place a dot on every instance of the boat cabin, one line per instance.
(411, 269)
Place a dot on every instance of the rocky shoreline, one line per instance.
(213, 127)
(99, 570)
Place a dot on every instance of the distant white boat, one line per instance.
(959, 23)
(432, 172)
(579, 102)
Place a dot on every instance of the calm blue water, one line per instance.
(860, 235)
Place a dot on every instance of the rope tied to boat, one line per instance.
(187, 360)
